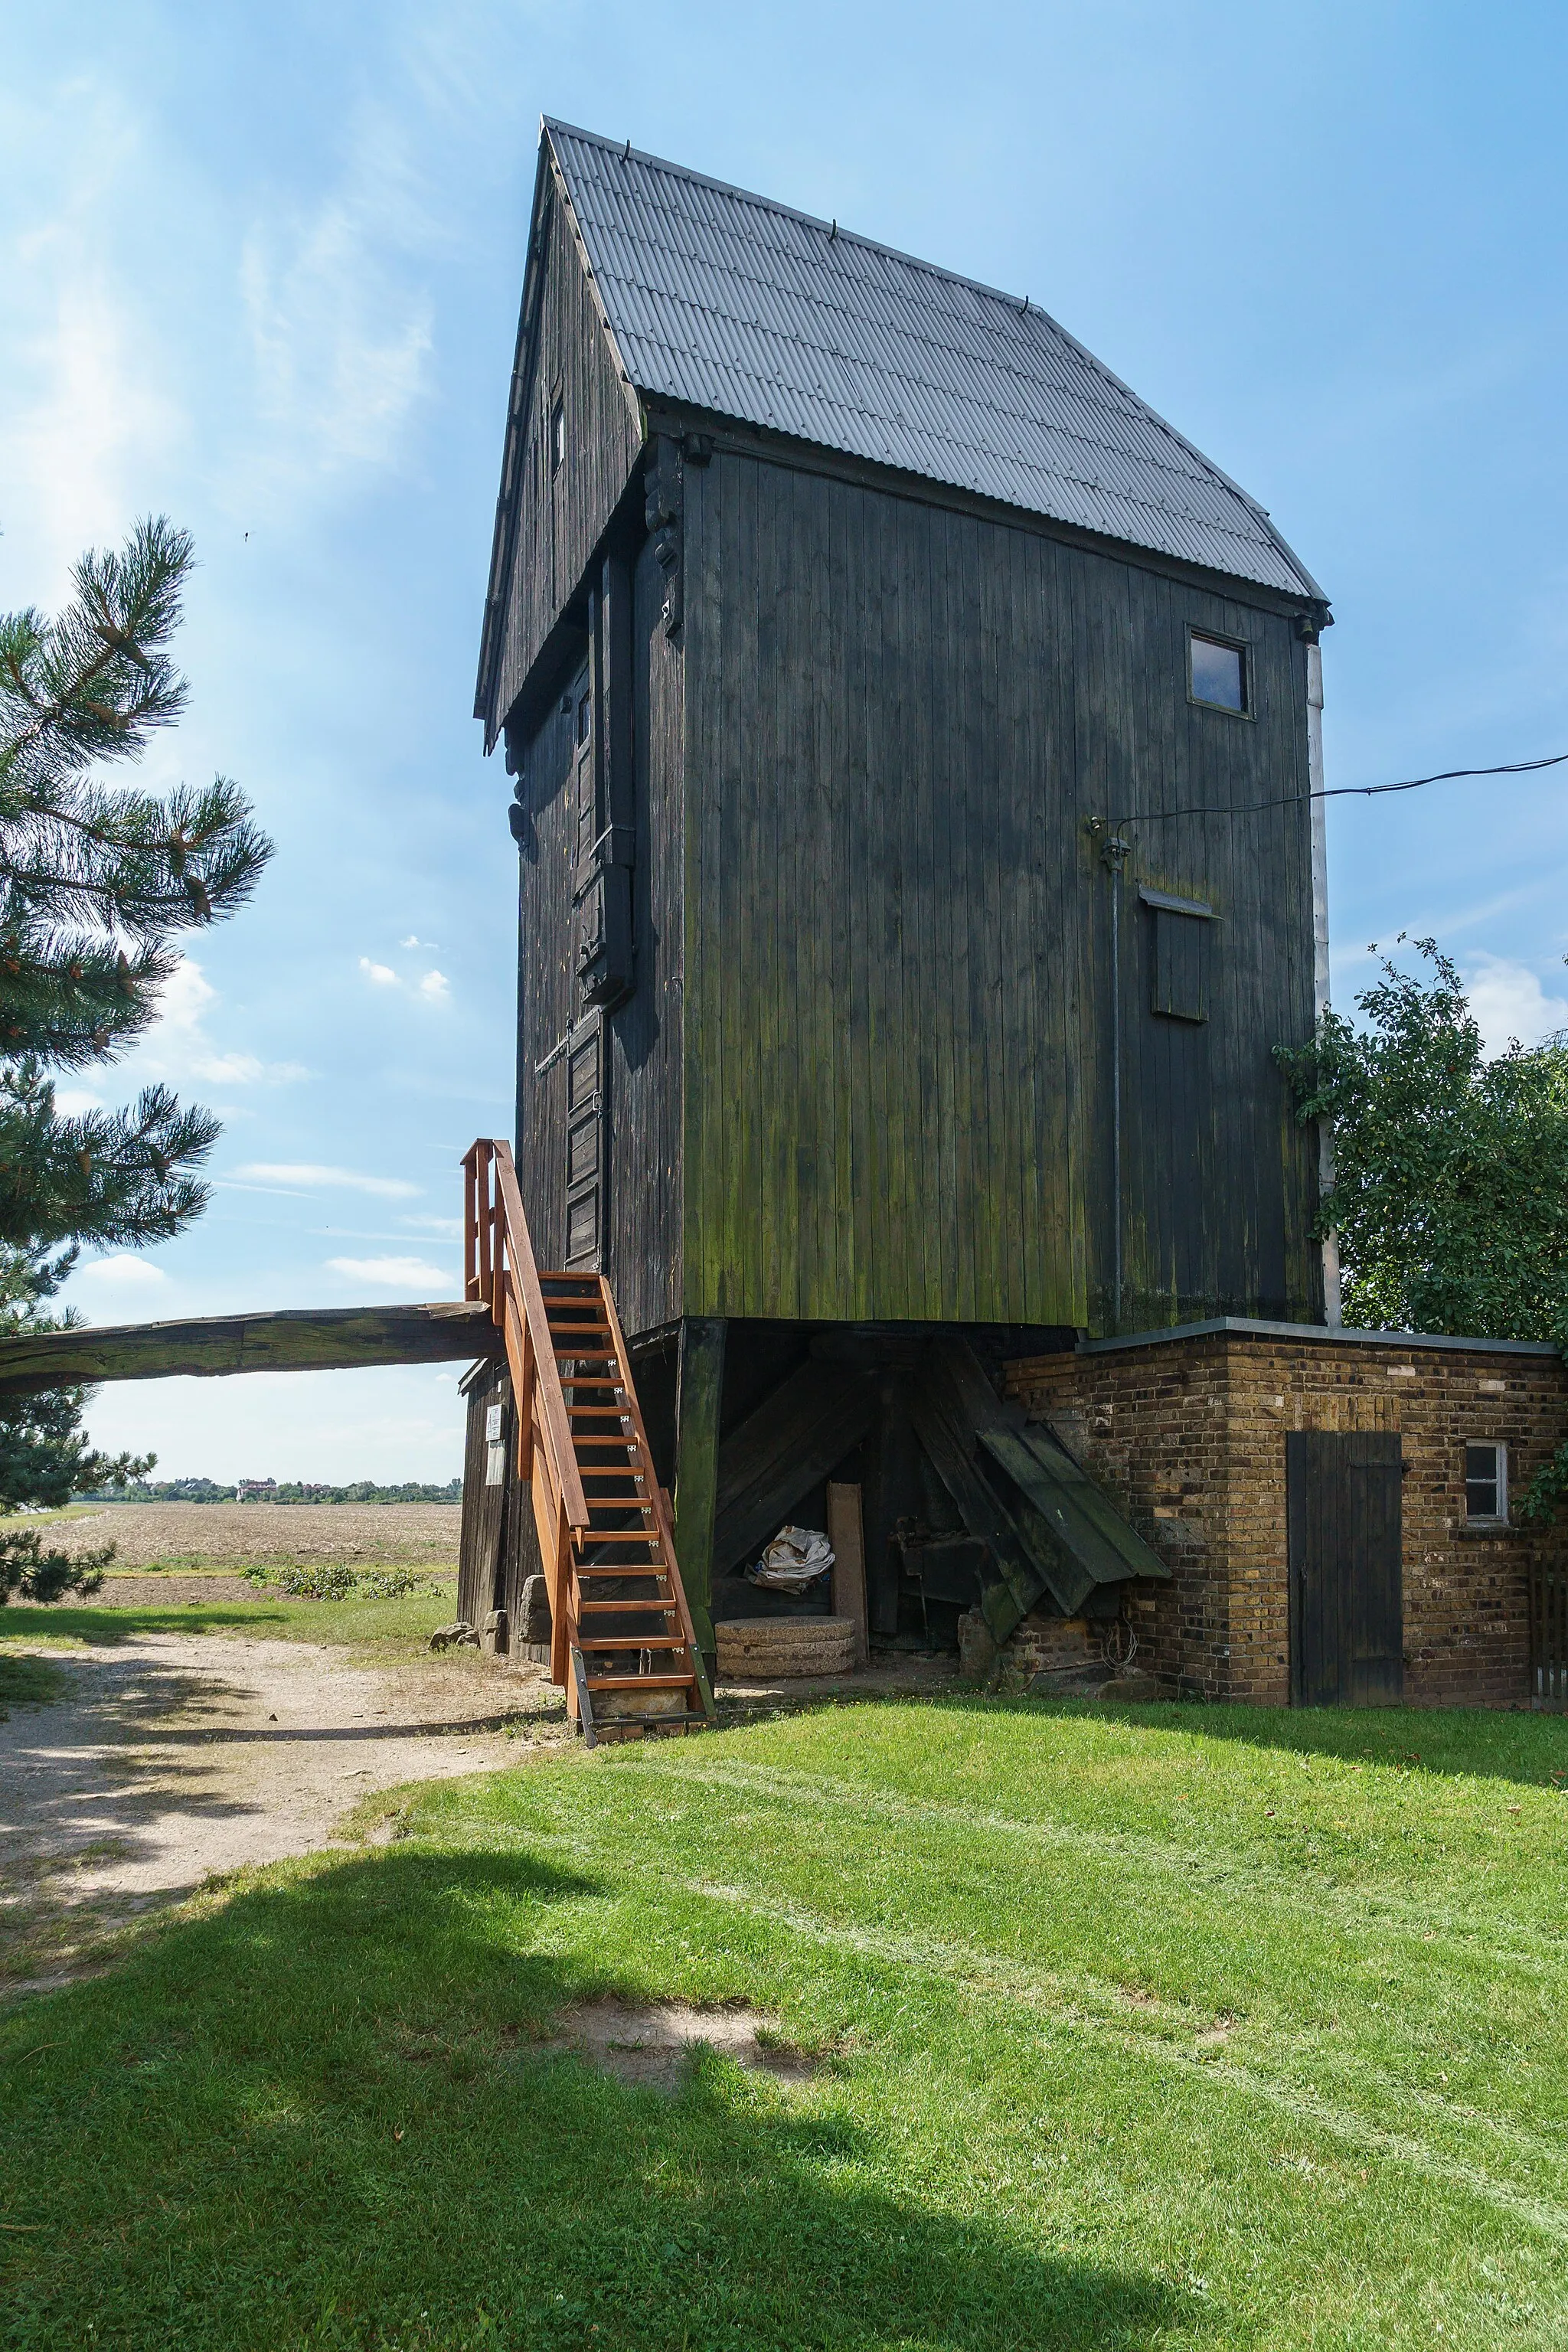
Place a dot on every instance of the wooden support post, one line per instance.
(891, 1492)
(847, 1536)
(699, 1397)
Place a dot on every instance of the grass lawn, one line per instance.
(1172, 2027)
(406, 1623)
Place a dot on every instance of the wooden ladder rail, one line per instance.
(660, 1504)
(500, 1269)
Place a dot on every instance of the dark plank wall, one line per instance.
(897, 1017)
(561, 515)
(646, 1172)
(643, 1257)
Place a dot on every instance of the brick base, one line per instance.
(1188, 1435)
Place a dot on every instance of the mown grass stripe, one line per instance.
(1122, 1848)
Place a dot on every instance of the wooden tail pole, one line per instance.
(623, 1644)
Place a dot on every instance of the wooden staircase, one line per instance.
(623, 1644)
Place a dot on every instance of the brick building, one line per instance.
(1191, 1429)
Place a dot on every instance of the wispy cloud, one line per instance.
(86, 412)
(404, 1273)
(451, 1229)
(342, 340)
(433, 986)
(179, 1047)
(300, 1175)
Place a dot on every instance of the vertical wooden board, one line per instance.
(875, 684)
(470, 1534)
(846, 1533)
(950, 1095)
(786, 535)
(879, 889)
(701, 1045)
(698, 1403)
(996, 589)
(645, 1191)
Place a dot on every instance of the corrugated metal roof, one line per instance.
(721, 300)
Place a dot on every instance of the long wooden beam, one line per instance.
(295, 1340)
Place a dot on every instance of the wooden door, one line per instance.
(1347, 1611)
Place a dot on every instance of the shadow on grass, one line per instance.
(317, 2116)
(28, 1682)
(1488, 1743)
(18, 1624)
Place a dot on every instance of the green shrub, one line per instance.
(336, 1580)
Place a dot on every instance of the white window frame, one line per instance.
(1499, 1517)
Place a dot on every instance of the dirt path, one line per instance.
(174, 1756)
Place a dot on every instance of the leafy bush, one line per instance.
(336, 1580)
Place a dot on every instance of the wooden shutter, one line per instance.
(586, 1146)
(1180, 963)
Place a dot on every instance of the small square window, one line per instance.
(1486, 1481)
(557, 436)
(1219, 673)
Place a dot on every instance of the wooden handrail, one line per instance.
(500, 1268)
(501, 1276)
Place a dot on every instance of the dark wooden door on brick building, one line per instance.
(1347, 1612)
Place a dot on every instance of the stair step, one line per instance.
(641, 1682)
(607, 1608)
(628, 1642)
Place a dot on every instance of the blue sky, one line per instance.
(261, 272)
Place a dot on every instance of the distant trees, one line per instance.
(96, 883)
(208, 1490)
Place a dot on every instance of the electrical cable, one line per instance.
(1339, 791)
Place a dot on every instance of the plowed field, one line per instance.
(232, 1534)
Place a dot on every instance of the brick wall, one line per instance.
(1189, 1435)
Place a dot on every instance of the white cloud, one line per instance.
(124, 1271)
(429, 946)
(451, 1229)
(75, 1102)
(407, 1274)
(1509, 1000)
(89, 420)
(342, 340)
(178, 1046)
(310, 1174)
(433, 986)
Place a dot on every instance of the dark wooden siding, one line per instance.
(561, 514)
(646, 1172)
(899, 1033)
(643, 1062)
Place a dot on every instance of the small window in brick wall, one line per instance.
(1486, 1481)
(1180, 965)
